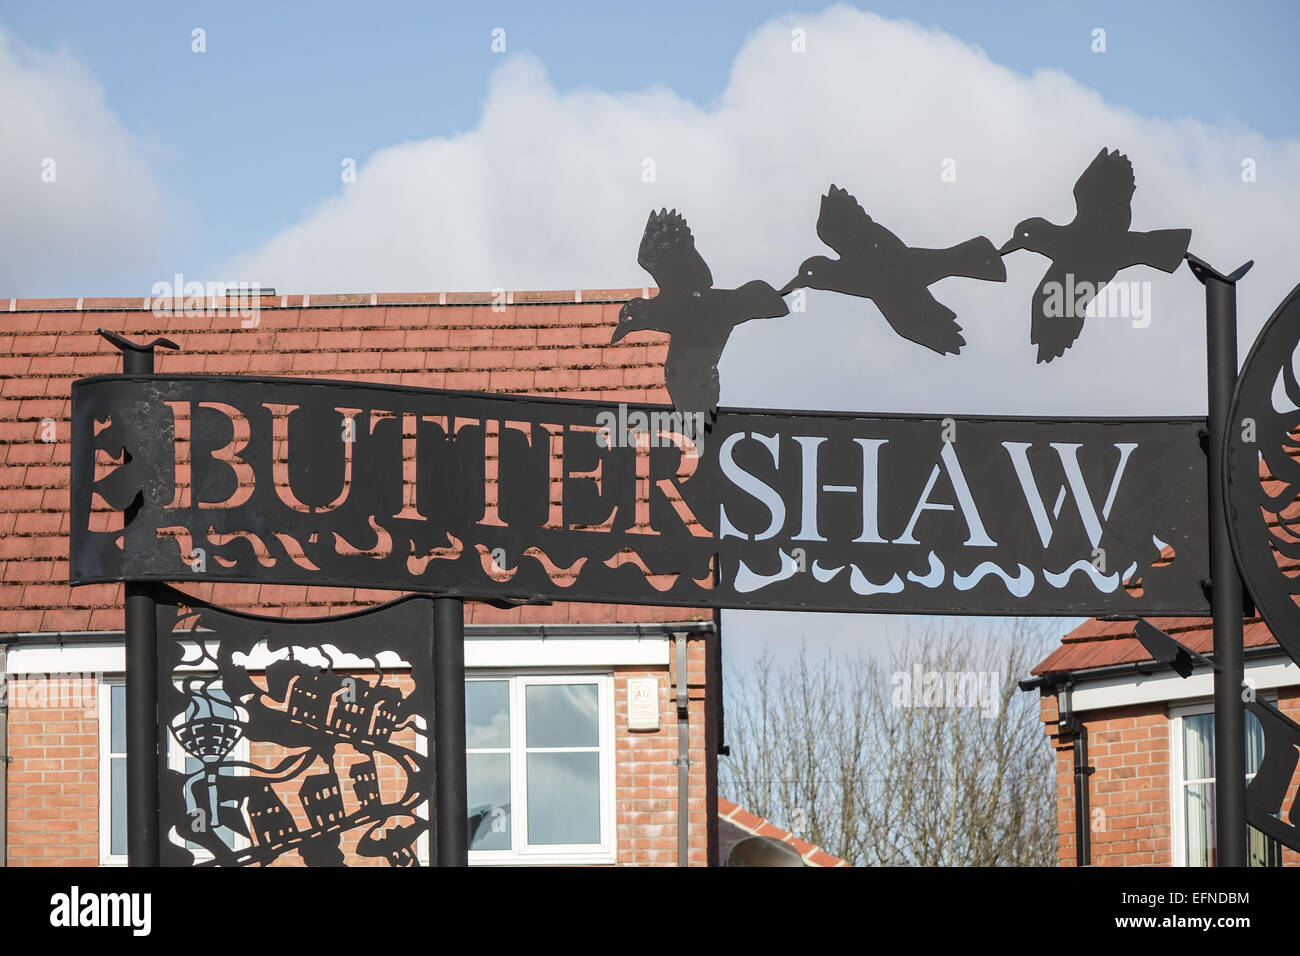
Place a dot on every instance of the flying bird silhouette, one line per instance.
(877, 265)
(698, 317)
(1090, 249)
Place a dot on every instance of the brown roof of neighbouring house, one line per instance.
(1106, 643)
(748, 824)
(543, 343)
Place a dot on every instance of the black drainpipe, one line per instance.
(1070, 723)
(683, 757)
(1072, 726)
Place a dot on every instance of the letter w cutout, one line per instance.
(1068, 452)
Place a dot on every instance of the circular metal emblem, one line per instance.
(1262, 464)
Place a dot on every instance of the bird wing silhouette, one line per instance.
(975, 258)
(1053, 334)
(845, 226)
(1104, 193)
(668, 253)
(756, 300)
(919, 317)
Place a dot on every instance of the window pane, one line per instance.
(487, 713)
(563, 797)
(489, 801)
(117, 720)
(1198, 812)
(1198, 747)
(1263, 850)
(117, 808)
(562, 715)
(1254, 744)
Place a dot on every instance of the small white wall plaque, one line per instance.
(643, 703)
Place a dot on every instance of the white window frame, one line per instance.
(552, 854)
(105, 692)
(1177, 785)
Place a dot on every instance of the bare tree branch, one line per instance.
(931, 758)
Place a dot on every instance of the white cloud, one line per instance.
(547, 193)
(105, 216)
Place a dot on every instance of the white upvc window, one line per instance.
(1191, 764)
(540, 761)
(112, 772)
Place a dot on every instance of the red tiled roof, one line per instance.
(545, 343)
(1105, 643)
(741, 818)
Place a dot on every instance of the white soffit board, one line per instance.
(1265, 673)
(109, 657)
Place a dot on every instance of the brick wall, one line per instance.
(53, 782)
(1129, 794)
(646, 769)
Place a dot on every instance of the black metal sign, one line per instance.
(1263, 474)
(518, 500)
(513, 500)
(1267, 809)
(294, 736)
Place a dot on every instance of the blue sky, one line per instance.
(479, 169)
(250, 134)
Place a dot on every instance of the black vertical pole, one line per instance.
(1225, 583)
(451, 790)
(141, 726)
(141, 668)
(141, 695)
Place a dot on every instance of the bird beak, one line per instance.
(790, 286)
(619, 331)
(1011, 245)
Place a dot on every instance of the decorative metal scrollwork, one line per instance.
(307, 737)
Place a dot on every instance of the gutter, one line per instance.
(655, 629)
(1133, 668)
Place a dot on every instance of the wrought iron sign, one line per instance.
(280, 731)
(1263, 473)
(508, 499)
(1267, 808)
(185, 478)
(1262, 465)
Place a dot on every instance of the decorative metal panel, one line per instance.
(308, 737)
(1263, 474)
(1267, 809)
(519, 500)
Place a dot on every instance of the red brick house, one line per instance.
(1149, 738)
(61, 648)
